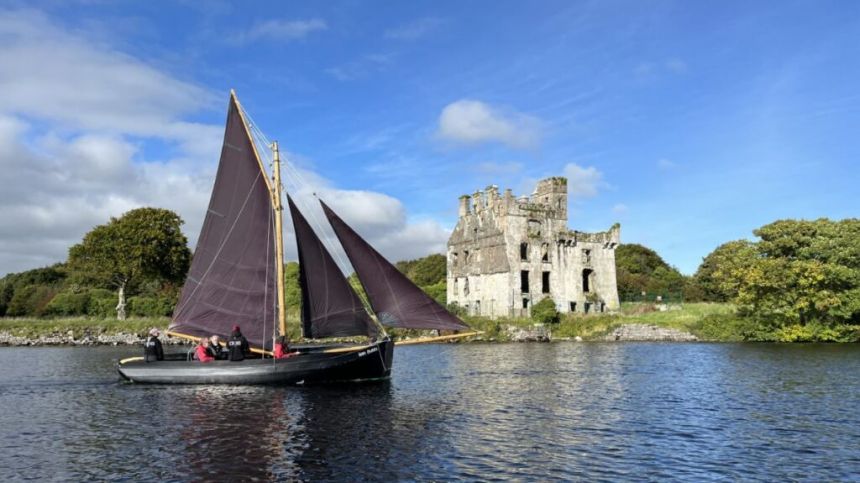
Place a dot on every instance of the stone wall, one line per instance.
(498, 238)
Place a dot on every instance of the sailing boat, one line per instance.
(236, 278)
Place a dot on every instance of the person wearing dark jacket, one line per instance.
(238, 345)
(152, 350)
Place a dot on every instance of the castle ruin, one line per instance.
(507, 253)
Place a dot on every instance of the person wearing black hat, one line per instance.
(152, 350)
(238, 345)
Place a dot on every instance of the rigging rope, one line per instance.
(298, 181)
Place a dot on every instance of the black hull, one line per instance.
(372, 362)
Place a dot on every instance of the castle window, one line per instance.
(573, 306)
(525, 303)
(454, 257)
(586, 256)
(466, 286)
(465, 256)
(524, 281)
(544, 252)
(545, 283)
(477, 307)
(586, 280)
(524, 251)
(455, 286)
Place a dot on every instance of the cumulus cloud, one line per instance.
(473, 122)
(381, 219)
(280, 29)
(74, 128)
(583, 182)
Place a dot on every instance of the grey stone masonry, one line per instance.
(507, 253)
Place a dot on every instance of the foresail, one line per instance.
(330, 307)
(396, 300)
(232, 276)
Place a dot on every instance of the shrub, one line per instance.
(68, 303)
(30, 300)
(437, 291)
(545, 312)
(150, 306)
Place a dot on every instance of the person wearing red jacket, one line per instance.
(202, 352)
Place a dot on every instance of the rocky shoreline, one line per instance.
(535, 333)
(648, 333)
(69, 339)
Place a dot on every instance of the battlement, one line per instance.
(548, 200)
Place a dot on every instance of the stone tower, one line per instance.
(508, 253)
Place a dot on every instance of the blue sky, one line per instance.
(690, 123)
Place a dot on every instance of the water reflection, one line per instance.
(476, 412)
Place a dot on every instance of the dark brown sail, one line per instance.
(396, 300)
(232, 276)
(330, 307)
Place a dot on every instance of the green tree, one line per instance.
(805, 272)
(717, 276)
(142, 245)
(640, 269)
(429, 270)
(52, 278)
(292, 288)
(545, 311)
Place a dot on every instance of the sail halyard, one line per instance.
(396, 301)
(230, 281)
(330, 306)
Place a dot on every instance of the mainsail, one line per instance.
(232, 276)
(396, 300)
(330, 307)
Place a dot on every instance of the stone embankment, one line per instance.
(643, 332)
(7, 339)
(535, 333)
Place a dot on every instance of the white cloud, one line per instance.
(620, 208)
(414, 30)
(54, 75)
(472, 122)
(74, 128)
(280, 29)
(583, 182)
(381, 219)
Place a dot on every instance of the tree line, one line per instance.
(797, 280)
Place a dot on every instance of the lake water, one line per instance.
(563, 411)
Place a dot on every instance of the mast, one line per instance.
(279, 238)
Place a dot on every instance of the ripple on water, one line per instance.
(491, 412)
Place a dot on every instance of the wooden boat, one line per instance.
(236, 278)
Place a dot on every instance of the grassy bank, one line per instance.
(708, 321)
(687, 318)
(692, 317)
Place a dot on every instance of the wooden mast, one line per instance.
(279, 238)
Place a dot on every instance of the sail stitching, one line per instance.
(221, 247)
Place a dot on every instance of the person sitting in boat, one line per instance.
(215, 348)
(282, 348)
(238, 345)
(202, 353)
(152, 350)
